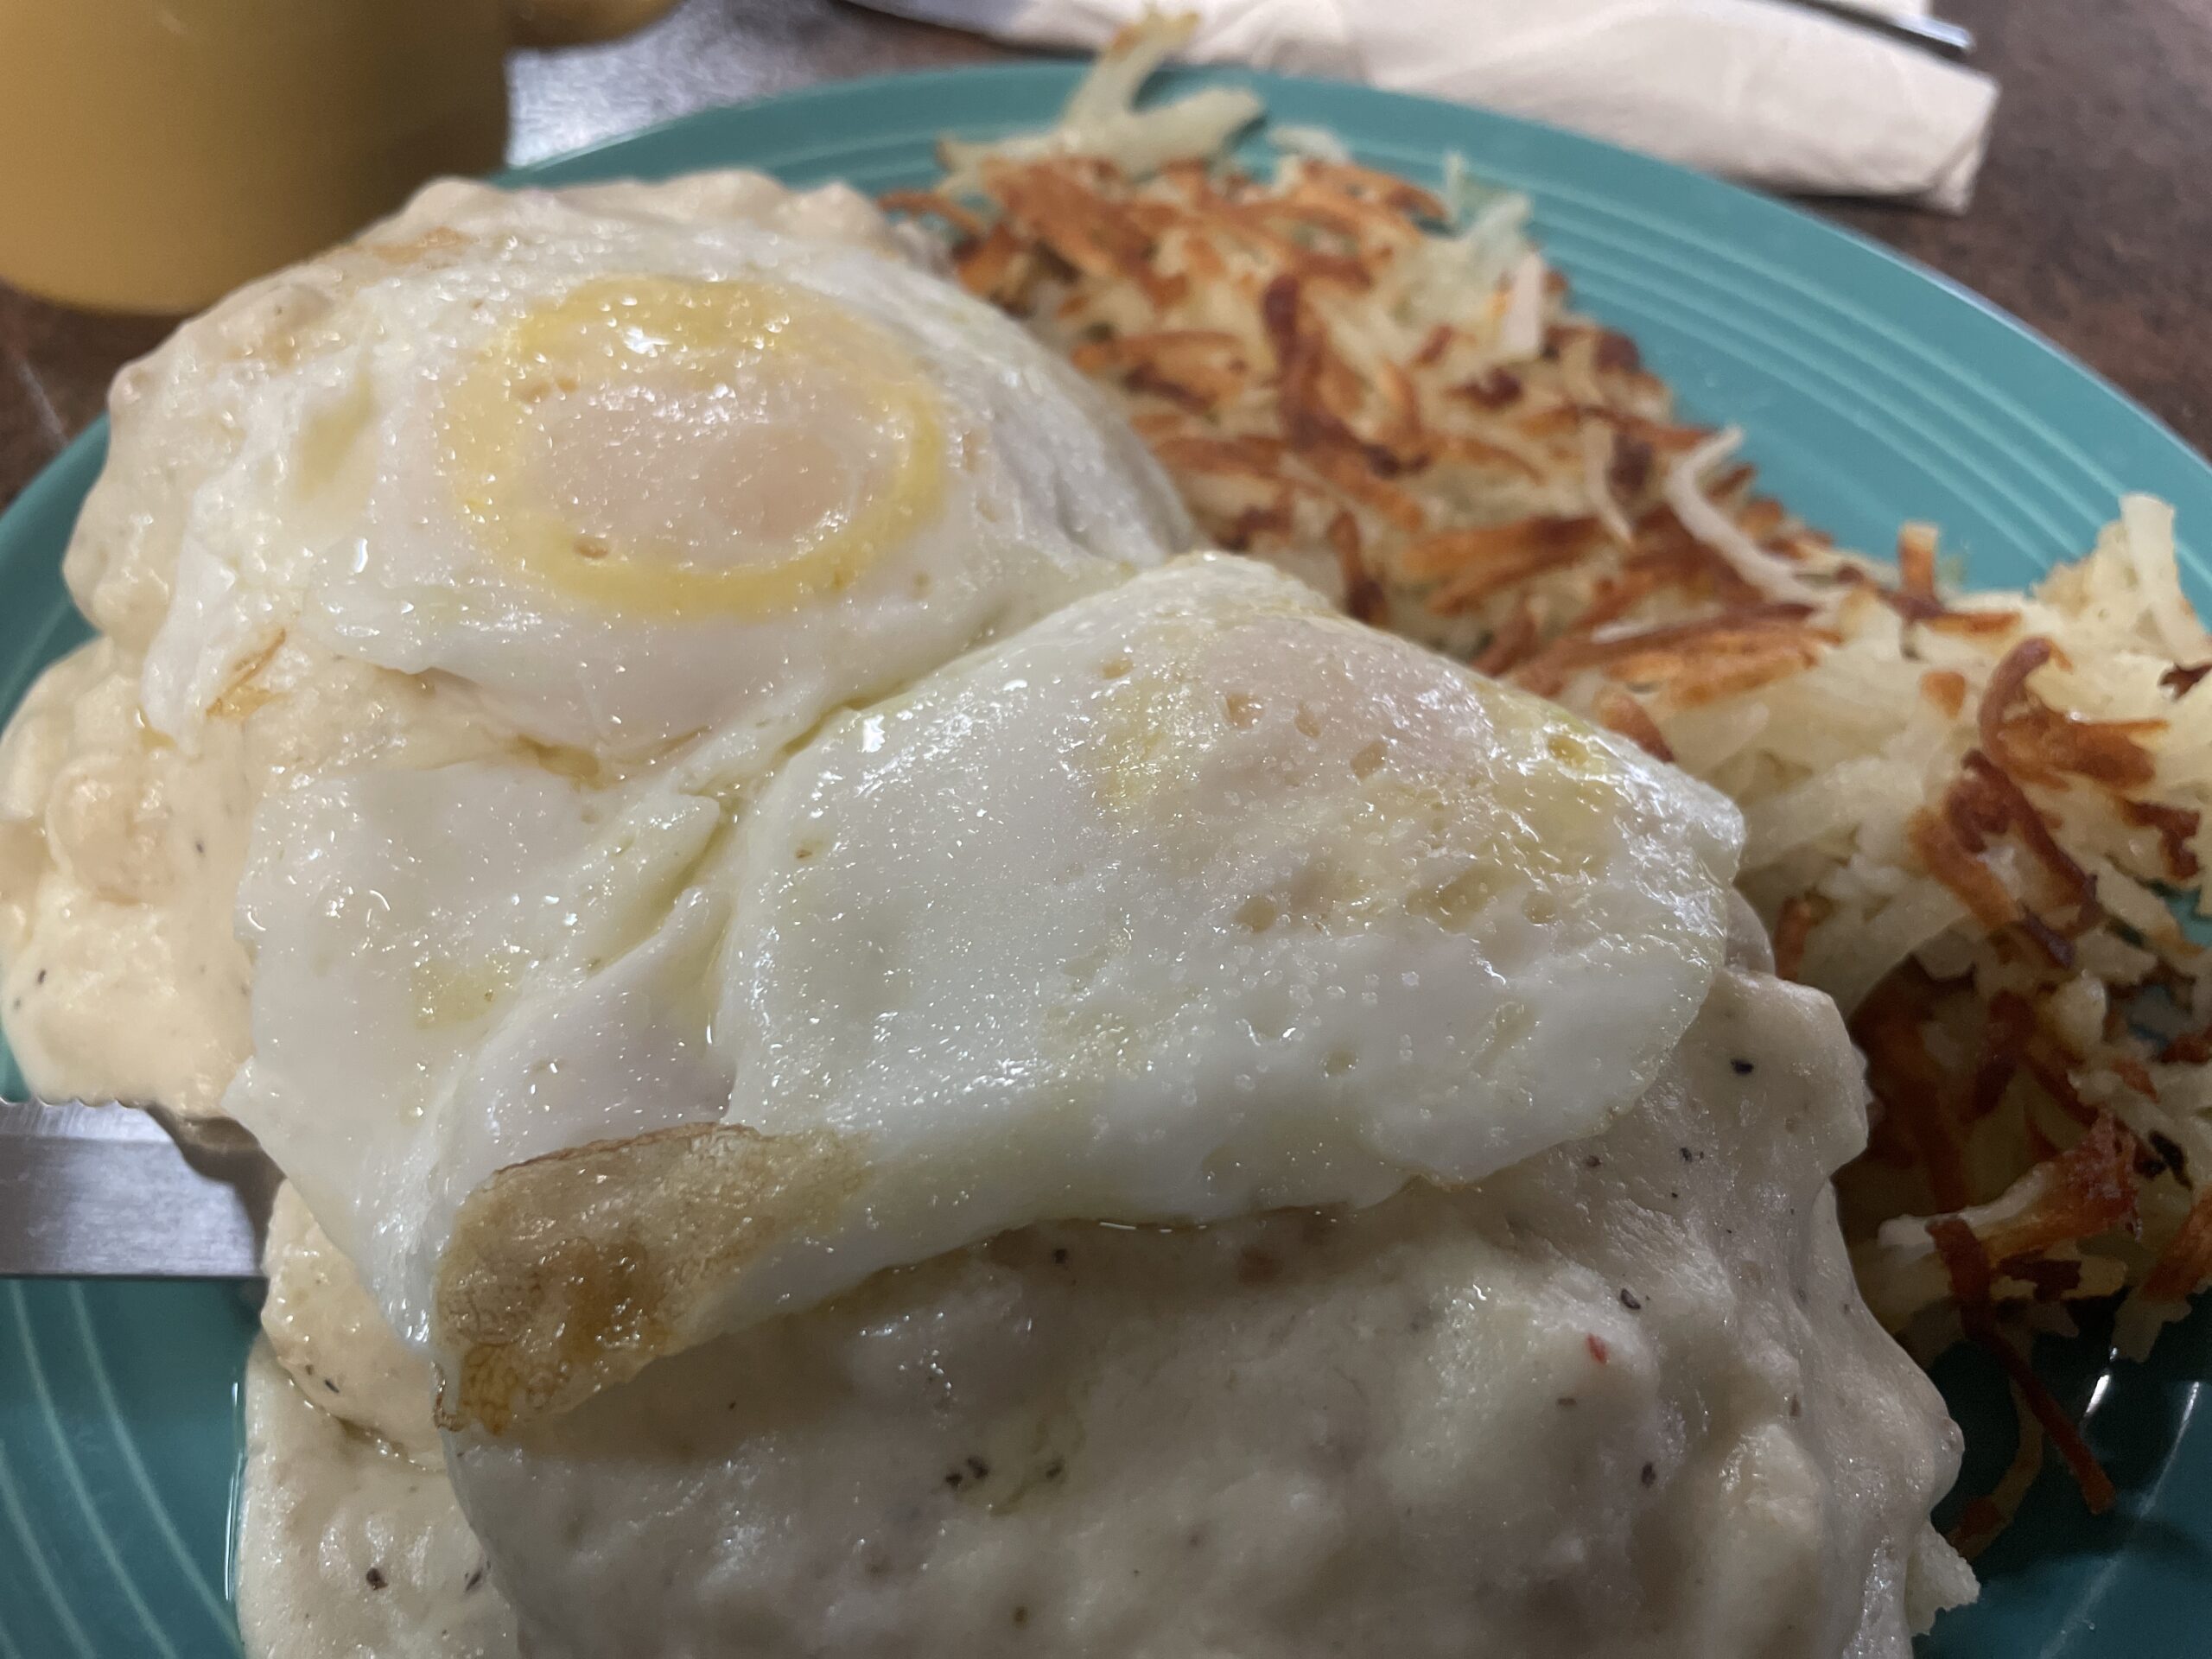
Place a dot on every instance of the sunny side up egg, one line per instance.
(1191, 900)
(623, 468)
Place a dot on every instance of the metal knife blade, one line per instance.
(108, 1192)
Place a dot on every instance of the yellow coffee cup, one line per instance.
(154, 154)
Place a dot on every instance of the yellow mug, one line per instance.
(154, 154)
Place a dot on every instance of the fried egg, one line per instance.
(1189, 900)
(622, 468)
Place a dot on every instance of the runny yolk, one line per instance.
(657, 446)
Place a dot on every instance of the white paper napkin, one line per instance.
(1759, 90)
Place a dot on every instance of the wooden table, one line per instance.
(2094, 222)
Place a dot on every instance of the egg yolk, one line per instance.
(652, 445)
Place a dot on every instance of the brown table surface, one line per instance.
(2093, 220)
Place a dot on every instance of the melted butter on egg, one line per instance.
(652, 445)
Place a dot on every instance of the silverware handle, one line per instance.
(1928, 34)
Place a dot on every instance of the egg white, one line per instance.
(1197, 899)
(461, 969)
(1192, 899)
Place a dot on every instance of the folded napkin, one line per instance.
(1760, 90)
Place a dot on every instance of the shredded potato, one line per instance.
(1968, 813)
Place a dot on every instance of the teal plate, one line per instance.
(1874, 392)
